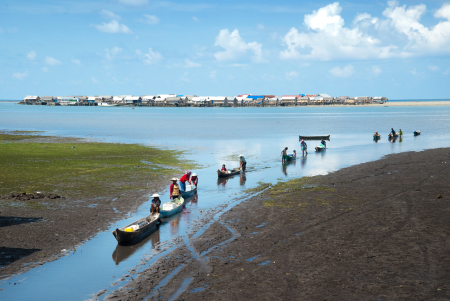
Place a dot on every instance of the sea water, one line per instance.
(211, 137)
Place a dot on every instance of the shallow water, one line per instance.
(212, 136)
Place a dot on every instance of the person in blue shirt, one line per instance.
(242, 162)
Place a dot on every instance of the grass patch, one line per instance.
(78, 167)
(261, 186)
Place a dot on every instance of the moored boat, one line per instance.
(173, 207)
(190, 191)
(136, 231)
(325, 137)
(291, 158)
(224, 174)
(416, 133)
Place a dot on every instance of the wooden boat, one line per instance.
(191, 192)
(145, 226)
(416, 133)
(171, 208)
(326, 137)
(228, 173)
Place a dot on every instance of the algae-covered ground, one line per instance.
(56, 193)
(70, 166)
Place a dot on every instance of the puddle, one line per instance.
(182, 288)
(259, 226)
(253, 258)
(265, 262)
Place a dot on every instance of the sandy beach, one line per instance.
(374, 231)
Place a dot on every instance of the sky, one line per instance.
(397, 49)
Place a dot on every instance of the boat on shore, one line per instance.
(229, 173)
(136, 231)
(325, 137)
(172, 207)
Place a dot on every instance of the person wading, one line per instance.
(284, 155)
(174, 190)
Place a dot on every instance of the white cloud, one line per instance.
(213, 74)
(345, 72)
(151, 57)
(76, 62)
(191, 64)
(195, 19)
(446, 72)
(365, 20)
(94, 80)
(20, 76)
(184, 77)
(433, 68)
(151, 19)
(31, 55)
(45, 69)
(291, 75)
(235, 47)
(109, 14)
(328, 39)
(52, 61)
(377, 70)
(260, 27)
(112, 53)
(112, 27)
(134, 2)
(421, 39)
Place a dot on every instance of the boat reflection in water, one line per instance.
(285, 165)
(123, 252)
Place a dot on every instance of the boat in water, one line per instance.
(136, 231)
(325, 137)
(228, 173)
(172, 207)
(190, 191)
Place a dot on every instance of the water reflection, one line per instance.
(303, 161)
(242, 178)
(123, 252)
(285, 165)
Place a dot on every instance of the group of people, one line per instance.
(175, 189)
(285, 156)
(242, 164)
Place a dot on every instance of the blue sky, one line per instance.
(398, 49)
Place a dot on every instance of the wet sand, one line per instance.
(374, 231)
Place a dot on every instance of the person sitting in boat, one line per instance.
(294, 154)
(242, 162)
(174, 189)
(185, 178)
(323, 143)
(284, 155)
(224, 169)
(156, 203)
(304, 147)
(194, 179)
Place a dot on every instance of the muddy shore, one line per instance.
(53, 200)
(374, 231)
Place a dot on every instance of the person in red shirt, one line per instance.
(223, 168)
(185, 178)
(174, 189)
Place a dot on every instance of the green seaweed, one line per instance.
(71, 166)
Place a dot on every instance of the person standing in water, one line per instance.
(284, 154)
(185, 178)
(242, 162)
(174, 189)
(304, 148)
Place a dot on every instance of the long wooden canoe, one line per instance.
(146, 226)
(176, 207)
(229, 173)
(326, 137)
(291, 158)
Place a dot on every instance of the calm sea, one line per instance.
(212, 136)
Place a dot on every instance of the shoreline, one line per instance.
(39, 227)
(374, 230)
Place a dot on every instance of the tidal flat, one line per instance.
(57, 192)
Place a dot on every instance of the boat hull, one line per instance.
(326, 137)
(188, 194)
(290, 158)
(128, 238)
(222, 174)
(179, 208)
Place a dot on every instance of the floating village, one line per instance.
(174, 100)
